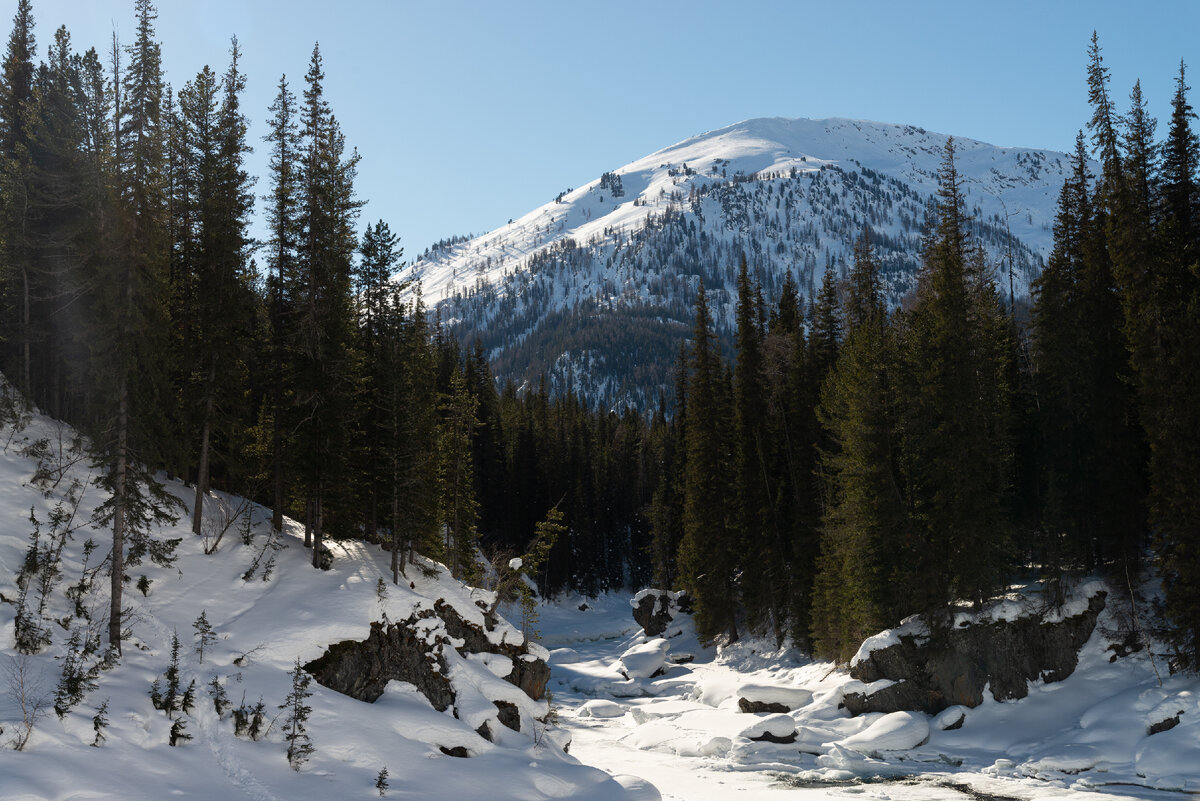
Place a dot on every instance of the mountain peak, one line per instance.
(792, 194)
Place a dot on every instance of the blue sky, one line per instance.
(467, 113)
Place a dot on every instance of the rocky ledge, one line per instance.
(930, 674)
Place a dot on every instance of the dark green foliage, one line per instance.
(953, 427)
(80, 671)
(179, 733)
(300, 746)
(381, 782)
(205, 636)
(708, 552)
(100, 723)
(864, 522)
(221, 702)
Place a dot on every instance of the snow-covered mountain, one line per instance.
(596, 288)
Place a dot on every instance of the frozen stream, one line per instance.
(682, 733)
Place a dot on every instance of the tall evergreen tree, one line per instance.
(764, 589)
(325, 360)
(953, 425)
(707, 553)
(864, 523)
(128, 321)
(459, 507)
(1168, 365)
(282, 213)
(16, 289)
(223, 307)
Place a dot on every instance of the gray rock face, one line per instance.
(402, 651)
(955, 667)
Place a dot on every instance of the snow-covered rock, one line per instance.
(600, 708)
(898, 731)
(771, 697)
(644, 660)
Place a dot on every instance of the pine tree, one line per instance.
(707, 556)
(459, 507)
(223, 306)
(282, 213)
(16, 290)
(127, 329)
(953, 423)
(1169, 380)
(764, 589)
(326, 363)
(300, 746)
(864, 523)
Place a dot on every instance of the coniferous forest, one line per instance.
(852, 465)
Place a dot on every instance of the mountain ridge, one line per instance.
(632, 245)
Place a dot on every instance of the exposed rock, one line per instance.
(655, 609)
(412, 651)
(955, 667)
(509, 715)
(456, 751)
(1164, 725)
(362, 669)
(760, 706)
(768, 737)
(754, 698)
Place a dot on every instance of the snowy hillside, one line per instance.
(267, 608)
(596, 287)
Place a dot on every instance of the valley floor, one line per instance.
(1084, 738)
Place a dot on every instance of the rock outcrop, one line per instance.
(415, 651)
(655, 609)
(931, 674)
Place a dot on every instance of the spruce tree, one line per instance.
(708, 562)
(223, 306)
(326, 374)
(1168, 367)
(864, 522)
(16, 289)
(127, 329)
(953, 425)
(459, 509)
(282, 214)
(764, 589)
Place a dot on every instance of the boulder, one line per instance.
(953, 668)
(771, 729)
(655, 609)
(645, 660)
(756, 698)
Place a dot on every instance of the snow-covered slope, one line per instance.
(268, 608)
(596, 287)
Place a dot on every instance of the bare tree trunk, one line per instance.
(396, 566)
(205, 434)
(308, 522)
(26, 336)
(318, 524)
(120, 492)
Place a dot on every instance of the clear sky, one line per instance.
(467, 113)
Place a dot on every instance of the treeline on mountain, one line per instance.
(797, 221)
(831, 468)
